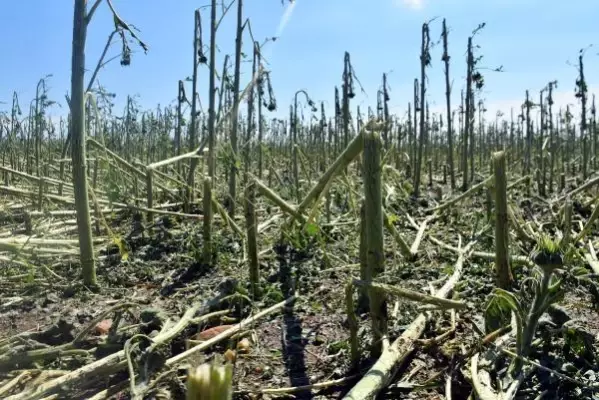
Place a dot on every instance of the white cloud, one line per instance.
(412, 4)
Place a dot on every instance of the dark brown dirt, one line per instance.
(305, 343)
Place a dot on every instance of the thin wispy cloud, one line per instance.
(281, 27)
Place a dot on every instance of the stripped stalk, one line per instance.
(502, 266)
(252, 232)
(448, 101)
(374, 235)
(352, 323)
(77, 128)
(207, 236)
(567, 226)
(425, 60)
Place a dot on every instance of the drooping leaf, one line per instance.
(497, 314)
(510, 300)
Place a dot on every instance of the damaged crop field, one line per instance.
(334, 253)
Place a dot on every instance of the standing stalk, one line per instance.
(235, 110)
(250, 117)
(374, 235)
(197, 44)
(448, 101)
(582, 94)
(415, 130)
(502, 266)
(252, 233)
(347, 94)
(77, 126)
(259, 116)
(208, 253)
(528, 154)
(542, 181)
(387, 129)
(552, 139)
(180, 100)
(594, 132)
(424, 61)
(467, 123)
(209, 180)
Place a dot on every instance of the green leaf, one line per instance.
(119, 242)
(337, 346)
(497, 314)
(275, 352)
(448, 269)
(510, 300)
(578, 271)
(555, 288)
(311, 229)
(575, 340)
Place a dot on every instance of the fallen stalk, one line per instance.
(304, 388)
(110, 364)
(412, 295)
(394, 355)
(226, 334)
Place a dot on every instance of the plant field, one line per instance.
(225, 254)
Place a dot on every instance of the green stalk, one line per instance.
(86, 248)
(374, 235)
(502, 265)
(207, 234)
(252, 233)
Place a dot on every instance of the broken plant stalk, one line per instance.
(373, 213)
(381, 373)
(502, 259)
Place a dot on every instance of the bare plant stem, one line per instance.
(80, 184)
(193, 118)
(252, 233)
(207, 234)
(424, 60)
(374, 235)
(502, 265)
(448, 101)
(467, 139)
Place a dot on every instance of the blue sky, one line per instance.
(532, 39)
